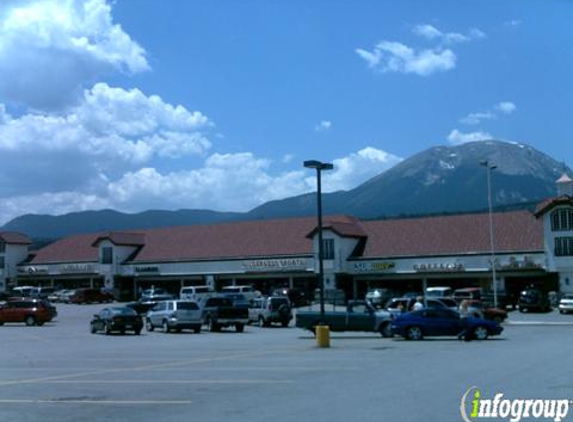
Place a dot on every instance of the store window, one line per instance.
(564, 246)
(328, 249)
(2, 247)
(1, 262)
(107, 255)
(562, 219)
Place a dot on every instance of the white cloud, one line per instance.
(358, 167)
(391, 56)
(396, 57)
(504, 107)
(430, 32)
(456, 137)
(51, 49)
(288, 158)
(513, 23)
(323, 126)
(225, 182)
(111, 131)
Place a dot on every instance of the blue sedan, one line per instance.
(442, 322)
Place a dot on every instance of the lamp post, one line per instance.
(489, 167)
(319, 166)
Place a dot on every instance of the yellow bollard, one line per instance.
(322, 335)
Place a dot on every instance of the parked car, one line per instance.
(398, 305)
(239, 300)
(359, 315)
(81, 296)
(270, 310)
(378, 297)
(42, 292)
(442, 322)
(141, 308)
(249, 291)
(533, 300)
(27, 310)
(174, 315)
(566, 303)
(44, 302)
(155, 295)
(296, 297)
(120, 319)
(467, 293)
(439, 291)
(195, 293)
(22, 291)
(219, 312)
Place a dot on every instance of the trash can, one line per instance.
(322, 336)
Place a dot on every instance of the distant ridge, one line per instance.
(440, 180)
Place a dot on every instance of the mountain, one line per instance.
(52, 227)
(439, 180)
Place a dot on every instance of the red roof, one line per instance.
(451, 235)
(77, 248)
(551, 203)
(14, 238)
(459, 234)
(122, 239)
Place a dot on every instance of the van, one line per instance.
(249, 292)
(439, 291)
(195, 293)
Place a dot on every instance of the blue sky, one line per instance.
(165, 104)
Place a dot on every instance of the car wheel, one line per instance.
(30, 320)
(213, 326)
(107, 329)
(480, 333)
(137, 332)
(149, 325)
(165, 327)
(240, 328)
(93, 329)
(561, 311)
(414, 333)
(197, 329)
(386, 330)
(285, 323)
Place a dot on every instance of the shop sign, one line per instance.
(373, 266)
(513, 263)
(276, 264)
(33, 270)
(439, 267)
(148, 269)
(78, 268)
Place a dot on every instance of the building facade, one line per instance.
(401, 254)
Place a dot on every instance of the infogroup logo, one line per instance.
(474, 407)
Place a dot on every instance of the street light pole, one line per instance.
(319, 166)
(489, 167)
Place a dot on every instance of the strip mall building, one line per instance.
(402, 254)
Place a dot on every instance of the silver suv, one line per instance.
(174, 315)
(272, 309)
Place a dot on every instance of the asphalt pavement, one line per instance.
(61, 372)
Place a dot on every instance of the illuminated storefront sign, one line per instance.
(438, 267)
(285, 264)
(373, 266)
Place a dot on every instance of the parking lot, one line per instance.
(61, 372)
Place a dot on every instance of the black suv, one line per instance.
(534, 300)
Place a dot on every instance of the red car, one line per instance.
(91, 296)
(29, 311)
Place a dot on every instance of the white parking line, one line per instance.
(202, 381)
(122, 402)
